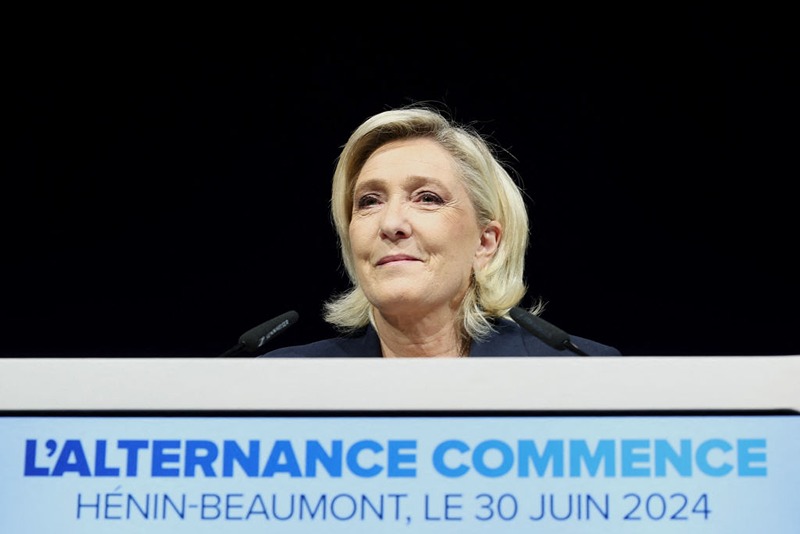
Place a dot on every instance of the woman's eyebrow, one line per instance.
(368, 184)
(409, 182)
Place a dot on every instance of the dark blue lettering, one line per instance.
(72, 459)
(282, 460)
(352, 458)
(31, 469)
(332, 462)
(200, 453)
(248, 462)
(161, 457)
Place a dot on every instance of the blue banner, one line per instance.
(400, 473)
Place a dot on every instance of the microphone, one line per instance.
(549, 333)
(251, 341)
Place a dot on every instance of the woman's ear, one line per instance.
(490, 240)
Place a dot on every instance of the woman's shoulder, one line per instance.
(510, 339)
(363, 343)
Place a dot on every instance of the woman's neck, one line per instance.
(425, 337)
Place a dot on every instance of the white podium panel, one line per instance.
(629, 444)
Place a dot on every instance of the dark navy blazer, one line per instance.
(508, 340)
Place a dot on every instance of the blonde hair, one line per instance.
(495, 195)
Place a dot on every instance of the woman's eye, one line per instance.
(430, 198)
(366, 201)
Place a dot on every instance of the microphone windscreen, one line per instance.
(549, 333)
(254, 338)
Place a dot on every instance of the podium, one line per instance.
(619, 444)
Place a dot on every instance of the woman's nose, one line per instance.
(395, 223)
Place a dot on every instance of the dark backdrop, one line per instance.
(164, 191)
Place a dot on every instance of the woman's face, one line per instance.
(414, 234)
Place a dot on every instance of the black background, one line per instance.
(165, 189)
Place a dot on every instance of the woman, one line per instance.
(433, 233)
